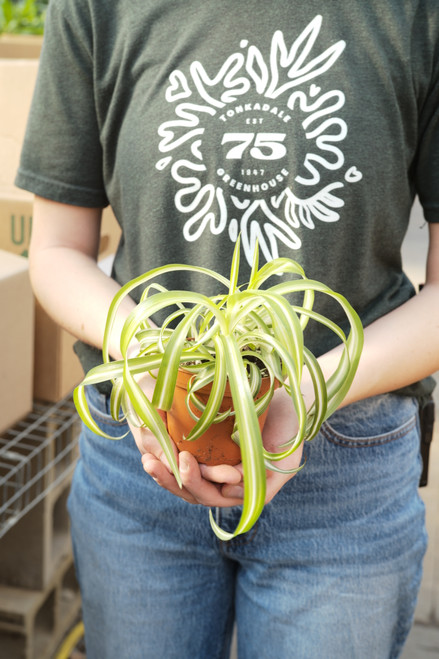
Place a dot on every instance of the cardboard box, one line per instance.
(16, 339)
(17, 82)
(56, 368)
(15, 220)
(25, 46)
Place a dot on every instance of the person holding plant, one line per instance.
(307, 128)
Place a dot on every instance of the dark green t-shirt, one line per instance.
(308, 126)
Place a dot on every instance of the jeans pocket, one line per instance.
(99, 405)
(372, 422)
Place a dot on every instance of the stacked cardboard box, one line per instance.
(17, 82)
(39, 595)
(16, 339)
(19, 46)
(56, 368)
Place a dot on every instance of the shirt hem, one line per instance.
(59, 191)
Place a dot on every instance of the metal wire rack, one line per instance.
(36, 454)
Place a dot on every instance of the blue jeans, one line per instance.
(331, 570)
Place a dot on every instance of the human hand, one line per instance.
(199, 486)
(280, 425)
(221, 485)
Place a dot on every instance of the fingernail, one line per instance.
(184, 464)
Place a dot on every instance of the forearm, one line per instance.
(399, 348)
(402, 347)
(64, 273)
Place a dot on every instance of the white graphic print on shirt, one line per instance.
(249, 110)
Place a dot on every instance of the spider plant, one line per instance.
(237, 336)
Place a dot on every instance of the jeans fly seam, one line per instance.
(238, 541)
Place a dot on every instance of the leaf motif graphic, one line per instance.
(207, 208)
(178, 87)
(320, 206)
(231, 85)
(266, 232)
(257, 69)
(175, 132)
(280, 220)
(294, 63)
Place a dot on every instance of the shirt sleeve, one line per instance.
(62, 157)
(427, 161)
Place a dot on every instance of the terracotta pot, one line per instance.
(215, 446)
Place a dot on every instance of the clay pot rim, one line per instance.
(183, 376)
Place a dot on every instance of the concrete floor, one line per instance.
(423, 642)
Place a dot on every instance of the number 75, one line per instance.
(265, 146)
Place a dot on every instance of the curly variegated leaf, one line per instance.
(232, 337)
